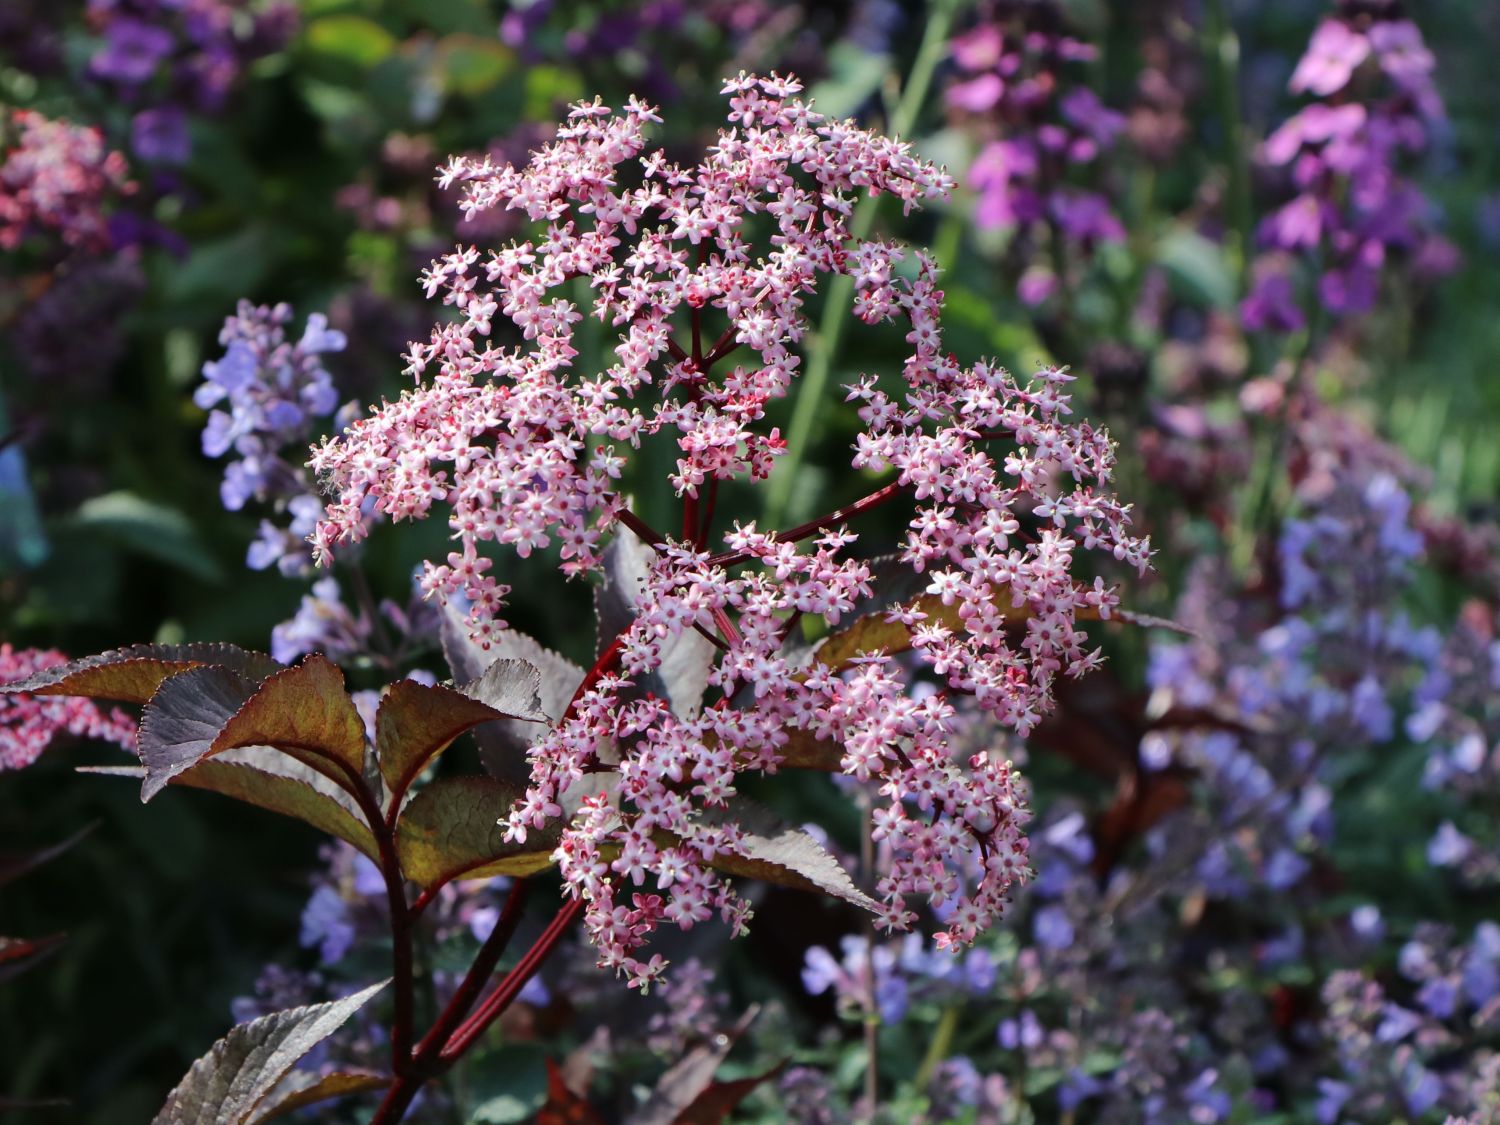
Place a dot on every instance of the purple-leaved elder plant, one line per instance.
(633, 767)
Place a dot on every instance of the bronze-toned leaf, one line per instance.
(451, 830)
(132, 675)
(300, 1089)
(305, 712)
(416, 722)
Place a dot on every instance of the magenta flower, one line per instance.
(1333, 54)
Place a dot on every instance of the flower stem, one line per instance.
(484, 964)
(514, 981)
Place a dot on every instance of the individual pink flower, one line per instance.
(1333, 54)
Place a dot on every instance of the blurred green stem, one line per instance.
(825, 345)
(939, 1046)
(1222, 46)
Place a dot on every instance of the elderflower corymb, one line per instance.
(705, 273)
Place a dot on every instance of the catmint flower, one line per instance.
(326, 925)
(265, 396)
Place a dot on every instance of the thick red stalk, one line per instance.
(514, 981)
(469, 988)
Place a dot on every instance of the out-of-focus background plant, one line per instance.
(1262, 235)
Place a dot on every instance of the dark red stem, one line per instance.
(514, 981)
(484, 964)
(643, 530)
(708, 514)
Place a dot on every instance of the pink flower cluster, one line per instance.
(28, 723)
(523, 450)
(58, 177)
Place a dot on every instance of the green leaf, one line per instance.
(471, 64)
(511, 1086)
(300, 1089)
(854, 76)
(226, 1085)
(1197, 268)
(451, 830)
(133, 674)
(417, 722)
(353, 39)
(150, 529)
(305, 712)
(216, 270)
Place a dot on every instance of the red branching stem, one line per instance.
(484, 965)
(401, 956)
(401, 923)
(449, 1038)
(726, 626)
(514, 981)
(706, 529)
(722, 347)
(425, 899)
(398, 1098)
(643, 530)
(822, 523)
